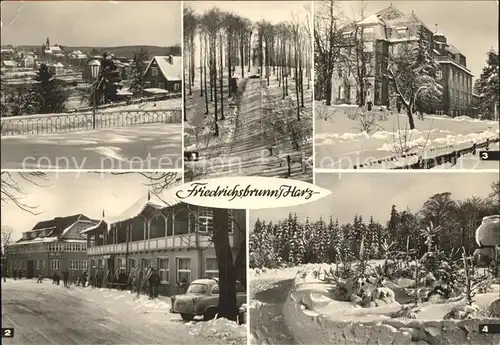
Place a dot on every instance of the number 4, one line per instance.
(484, 329)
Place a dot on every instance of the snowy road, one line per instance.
(247, 154)
(151, 146)
(48, 314)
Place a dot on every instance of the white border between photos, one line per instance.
(182, 88)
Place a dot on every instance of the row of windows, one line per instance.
(461, 79)
(54, 264)
(51, 247)
(459, 97)
(67, 247)
(161, 226)
(183, 267)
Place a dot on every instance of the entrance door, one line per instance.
(30, 270)
(111, 265)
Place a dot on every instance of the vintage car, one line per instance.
(202, 298)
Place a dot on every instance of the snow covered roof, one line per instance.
(94, 63)
(371, 20)
(438, 34)
(170, 66)
(156, 91)
(47, 240)
(58, 64)
(452, 49)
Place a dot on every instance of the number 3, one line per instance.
(485, 329)
(484, 155)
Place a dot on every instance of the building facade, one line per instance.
(173, 237)
(385, 33)
(51, 246)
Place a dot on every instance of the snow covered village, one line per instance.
(395, 89)
(88, 99)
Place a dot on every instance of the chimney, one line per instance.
(149, 195)
(436, 26)
(103, 214)
(171, 59)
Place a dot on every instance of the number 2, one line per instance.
(484, 156)
(484, 329)
(7, 332)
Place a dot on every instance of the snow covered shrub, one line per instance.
(445, 269)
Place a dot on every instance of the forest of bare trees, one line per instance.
(220, 45)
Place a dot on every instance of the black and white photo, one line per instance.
(117, 258)
(387, 258)
(248, 89)
(91, 85)
(405, 85)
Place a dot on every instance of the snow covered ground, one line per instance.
(342, 140)
(50, 314)
(149, 146)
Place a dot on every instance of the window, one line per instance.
(211, 267)
(439, 75)
(23, 264)
(132, 263)
(206, 220)
(83, 265)
(161, 86)
(368, 31)
(54, 264)
(42, 265)
(347, 34)
(37, 263)
(147, 84)
(15, 264)
(10, 265)
(100, 263)
(183, 270)
(73, 265)
(177, 87)
(92, 263)
(154, 71)
(164, 269)
(122, 263)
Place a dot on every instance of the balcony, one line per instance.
(172, 242)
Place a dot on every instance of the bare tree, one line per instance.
(327, 43)
(12, 192)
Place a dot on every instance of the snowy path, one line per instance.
(247, 153)
(50, 314)
(151, 146)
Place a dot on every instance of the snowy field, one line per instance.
(149, 146)
(167, 111)
(343, 139)
(50, 314)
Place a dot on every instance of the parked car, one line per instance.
(202, 298)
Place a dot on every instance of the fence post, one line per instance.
(487, 144)
(474, 149)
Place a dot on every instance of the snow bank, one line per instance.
(222, 329)
(313, 327)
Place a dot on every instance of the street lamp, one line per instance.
(94, 71)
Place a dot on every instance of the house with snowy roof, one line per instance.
(164, 233)
(385, 33)
(164, 73)
(51, 246)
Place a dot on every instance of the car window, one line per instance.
(197, 288)
(239, 287)
(215, 289)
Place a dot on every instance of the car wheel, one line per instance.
(187, 317)
(209, 314)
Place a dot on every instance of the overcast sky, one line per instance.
(373, 194)
(471, 26)
(69, 193)
(92, 23)
(272, 11)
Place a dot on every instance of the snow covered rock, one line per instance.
(494, 308)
